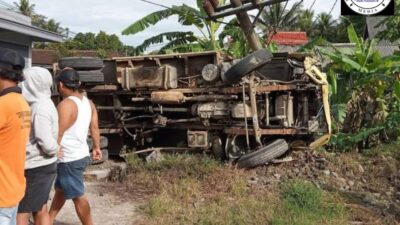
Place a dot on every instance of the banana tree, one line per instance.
(362, 86)
(179, 41)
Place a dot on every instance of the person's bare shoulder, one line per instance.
(67, 110)
(66, 104)
(92, 103)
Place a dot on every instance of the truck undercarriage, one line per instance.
(250, 110)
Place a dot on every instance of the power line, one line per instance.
(312, 5)
(329, 14)
(157, 4)
(334, 4)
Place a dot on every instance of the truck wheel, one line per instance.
(217, 148)
(103, 142)
(81, 63)
(93, 76)
(264, 154)
(245, 66)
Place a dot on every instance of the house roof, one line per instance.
(290, 38)
(14, 22)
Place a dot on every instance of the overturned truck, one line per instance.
(250, 110)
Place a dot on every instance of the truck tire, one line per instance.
(93, 76)
(81, 63)
(217, 148)
(263, 155)
(105, 157)
(245, 66)
(103, 142)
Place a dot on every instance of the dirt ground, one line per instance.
(368, 186)
(109, 205)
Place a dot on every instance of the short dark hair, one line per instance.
(74, 89)
(12, 75)
(11, 65)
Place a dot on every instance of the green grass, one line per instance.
(158, 206)
(303, 204)
(392, 149)
(194, 166)
(196, 189)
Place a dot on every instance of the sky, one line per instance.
(114, 16)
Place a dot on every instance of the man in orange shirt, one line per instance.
(15, 123)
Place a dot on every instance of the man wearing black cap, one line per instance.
(76, 116)
(14, 134)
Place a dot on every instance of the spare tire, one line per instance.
(81, 63)
(93, 76)
(263, 155)
(245, 66)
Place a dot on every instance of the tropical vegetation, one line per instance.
(26, 8)
(365, 94)
(392, 33)
(101, 42)
(175, 40)
(278, 18)
(227, 37)
(364, 86)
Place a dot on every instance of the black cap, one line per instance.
(11, 64)
(12, 58)
(69, 77)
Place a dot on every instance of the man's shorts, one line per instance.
(8, 216)
(70, 177)
(39, 181)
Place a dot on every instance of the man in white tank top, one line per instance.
(77, 115)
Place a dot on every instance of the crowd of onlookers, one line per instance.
(42, 145)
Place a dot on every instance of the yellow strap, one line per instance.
(320, 78)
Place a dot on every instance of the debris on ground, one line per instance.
(155, 156)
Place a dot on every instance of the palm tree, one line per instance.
(277, 18)
(53, 26)
(25, 7)
(340, 35)
(305, 21)
(325, 24)
(179, 41)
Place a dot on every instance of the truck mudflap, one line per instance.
(320, 78)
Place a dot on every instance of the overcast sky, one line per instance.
(114, 16)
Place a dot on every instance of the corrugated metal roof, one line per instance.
(17, 23)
